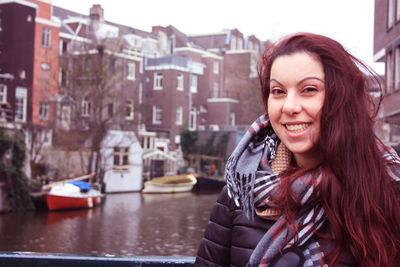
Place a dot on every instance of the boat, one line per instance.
(170, 184)
(72, 195)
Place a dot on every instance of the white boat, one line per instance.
(170, 184)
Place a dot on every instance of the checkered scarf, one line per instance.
(251, 183)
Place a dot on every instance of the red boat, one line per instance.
(72, 195)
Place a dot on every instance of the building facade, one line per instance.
(82, 74)
(387, 50)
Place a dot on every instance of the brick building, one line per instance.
(153, 83)
(16, 68)
(387, 50)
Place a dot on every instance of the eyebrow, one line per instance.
(301, 81)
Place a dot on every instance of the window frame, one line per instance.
(216, 67)
(158, 81)
(396, 66)
(179, 115)
(21, 93)
(46, 37)
(192, 119)
(129, 111)
(131, 71)
(180, 82)
(121, 158)
(86, 108)
(214, 93)
(44, 111)
(193, 83)
(65, 119)
(389, 72)
(3, 93)
(157, 114)
(391, 9)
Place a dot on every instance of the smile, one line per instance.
(297, 127)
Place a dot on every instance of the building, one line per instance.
(16, 68)
(83, 76)
(387, 50)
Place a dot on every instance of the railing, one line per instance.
(35, 259)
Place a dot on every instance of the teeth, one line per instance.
(297, 127)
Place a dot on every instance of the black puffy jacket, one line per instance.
(230, 237)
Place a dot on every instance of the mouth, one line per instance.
(297, 127)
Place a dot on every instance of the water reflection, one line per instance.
(126, 224)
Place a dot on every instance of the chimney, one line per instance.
(97, 13)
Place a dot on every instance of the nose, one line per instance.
(292, 104)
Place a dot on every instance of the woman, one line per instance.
(309, 183)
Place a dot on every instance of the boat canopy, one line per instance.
(84, 186)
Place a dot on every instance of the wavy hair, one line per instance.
(358, 195)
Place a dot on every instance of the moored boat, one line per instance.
(170, 184)
(72, 195)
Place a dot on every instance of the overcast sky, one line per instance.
(351, 22)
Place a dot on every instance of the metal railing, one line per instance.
(33, 259)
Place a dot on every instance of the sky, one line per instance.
(350, 22)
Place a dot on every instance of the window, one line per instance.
(397, 10)
(233, 42)
(158, 81)
(86, 108)
(389, 72)
(21, 95)
(390, 14)
(44, 111)
(46, 37)
(131, 71)
(3, 93)
(110, 110)
(140, 93)
(397, 69)
(63, 47)
(179, 78)
(192, 119)
(179, 115)
(250, 45)
(45, 66)
(22, 74)
(111, 67)
(121, 158)
(129, 109)
(232, 119)
(214, 93)
(62, 77)
(240, 44)
(65, 116)
(193, 84)
(157, 114)
(216, 67)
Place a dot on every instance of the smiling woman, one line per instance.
(297, 93)
(309, 184)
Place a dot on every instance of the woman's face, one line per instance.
(297, 93)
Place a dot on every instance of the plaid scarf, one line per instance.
(251, 183)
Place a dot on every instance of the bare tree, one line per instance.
(103, 99)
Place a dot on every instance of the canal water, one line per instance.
(128, 224)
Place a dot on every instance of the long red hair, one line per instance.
(358, 195)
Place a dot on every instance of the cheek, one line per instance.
(273, 109)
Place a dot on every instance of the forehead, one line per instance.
(297, 65)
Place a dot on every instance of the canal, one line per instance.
(128, 224)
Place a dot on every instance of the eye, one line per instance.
(276, 91)
(310, 89)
